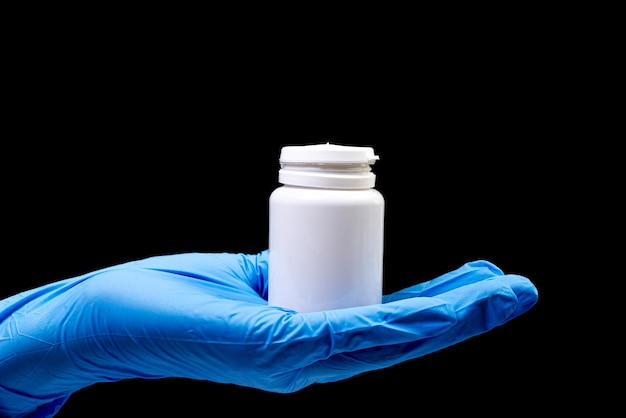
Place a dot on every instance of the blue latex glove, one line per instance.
(205, 316)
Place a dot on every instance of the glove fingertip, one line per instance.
(526, 292)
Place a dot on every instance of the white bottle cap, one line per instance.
(328, 166)
(327, 153)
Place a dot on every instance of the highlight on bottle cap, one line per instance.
(327, 153)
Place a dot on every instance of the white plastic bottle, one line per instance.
(326, 229)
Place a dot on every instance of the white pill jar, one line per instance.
(326, 229)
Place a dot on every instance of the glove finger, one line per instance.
(287, 342)
(479, 308)
(320, 335)
(404, 320)
(468, 273)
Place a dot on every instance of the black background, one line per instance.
(158, 149)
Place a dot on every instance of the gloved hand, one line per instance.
(205, 316)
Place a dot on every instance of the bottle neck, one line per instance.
(327, 175)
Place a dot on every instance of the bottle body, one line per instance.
(325, 248)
